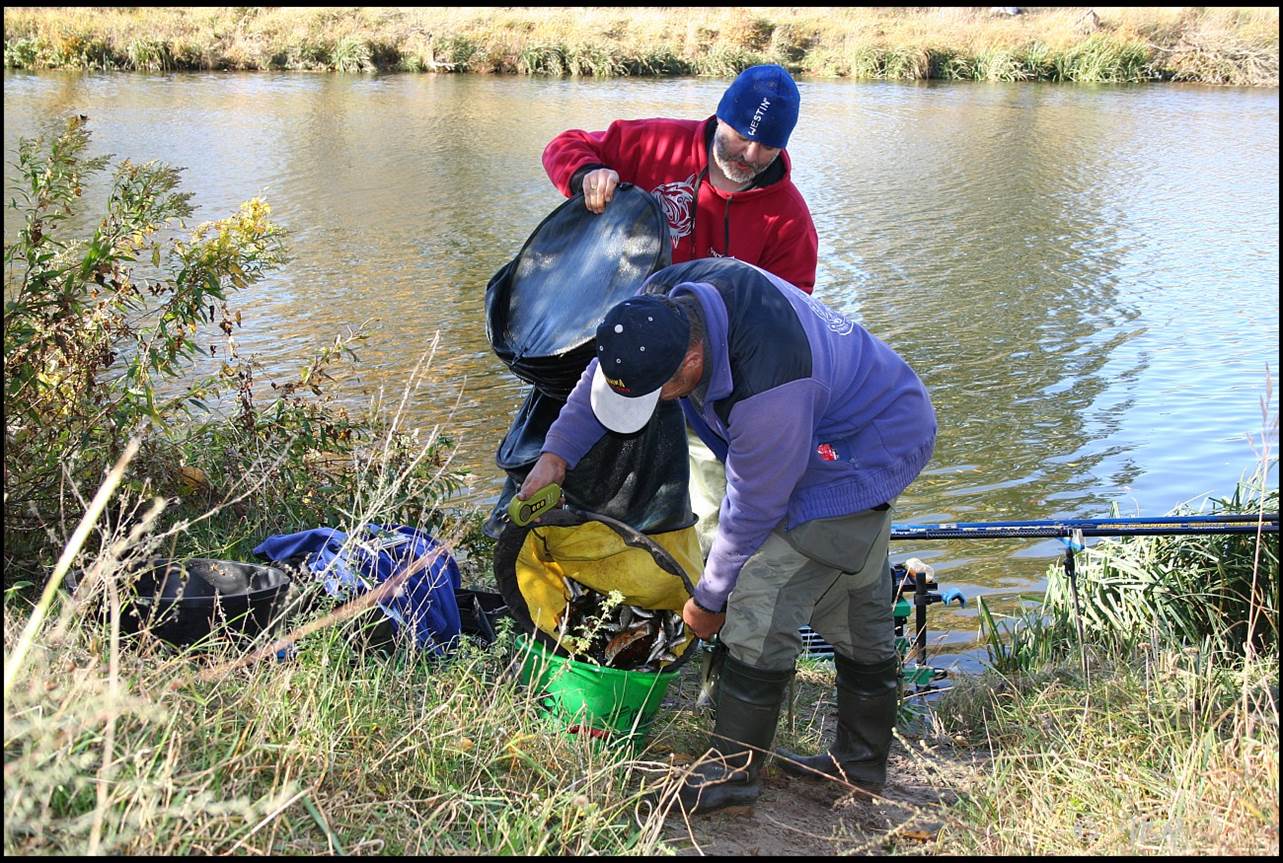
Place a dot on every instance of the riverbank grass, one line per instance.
(1158, 751)
(1117, 45)
(132, 746)
(1142, 715)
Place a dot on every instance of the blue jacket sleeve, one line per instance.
(576, 429)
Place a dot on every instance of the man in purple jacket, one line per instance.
(821, 426)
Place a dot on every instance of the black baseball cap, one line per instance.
(640, 345)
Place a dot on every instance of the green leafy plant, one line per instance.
(21, 53)
(1023, 641)
(100, 338)
(588, 629)
(352, 54)
(87, 336)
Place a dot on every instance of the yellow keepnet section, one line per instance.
(596, 557)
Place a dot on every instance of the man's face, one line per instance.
(739, 158)
(685, 379)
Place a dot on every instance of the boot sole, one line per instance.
(736, 805)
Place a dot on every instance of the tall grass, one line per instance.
(133, 746)
(1025, 640)
(1216, 593)
(338, 750)
(129, 745)
(352, 54)
(1161, 752)
(1230, 46)
(1179, 590)
(1166, 739)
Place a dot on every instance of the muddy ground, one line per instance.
(803, 817)
(799, 817)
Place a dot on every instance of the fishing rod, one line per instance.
(1162, 526)
(1071, 532)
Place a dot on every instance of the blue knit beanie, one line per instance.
(761, 104)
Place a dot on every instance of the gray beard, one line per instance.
(733, 172)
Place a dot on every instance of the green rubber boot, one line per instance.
(868, 698)
(748, 708)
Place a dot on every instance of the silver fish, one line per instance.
(658, 648)
(710, 668)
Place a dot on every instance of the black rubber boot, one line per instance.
(868, 698)
(748, 708)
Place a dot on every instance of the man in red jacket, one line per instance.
(724, 182)
(725, 185)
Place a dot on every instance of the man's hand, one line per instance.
(599, 189)
(549, 469)
(703, 623)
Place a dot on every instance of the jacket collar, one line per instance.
(716, 335)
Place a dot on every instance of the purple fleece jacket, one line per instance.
(813, 416)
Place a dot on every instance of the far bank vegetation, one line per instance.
(1234, 46)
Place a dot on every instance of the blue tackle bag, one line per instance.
(350, 566)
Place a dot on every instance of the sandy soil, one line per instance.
(801, 817)
(805, 817)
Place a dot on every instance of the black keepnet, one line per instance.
(542, 313)
(543, 308)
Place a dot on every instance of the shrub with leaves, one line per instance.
(100, 338)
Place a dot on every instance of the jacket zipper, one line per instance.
(726, 227)
(726, 218)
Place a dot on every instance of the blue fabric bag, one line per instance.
(425, 603)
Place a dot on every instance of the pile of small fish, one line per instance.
(623, 636)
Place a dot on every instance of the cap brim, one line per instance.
(622, 414)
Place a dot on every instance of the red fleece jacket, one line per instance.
(769, 226)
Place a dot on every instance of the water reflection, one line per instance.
(1002, 292)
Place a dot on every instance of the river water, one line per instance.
(1086, 278)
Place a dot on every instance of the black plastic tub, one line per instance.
(185, 601)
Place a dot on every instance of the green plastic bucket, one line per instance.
(610, 700)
